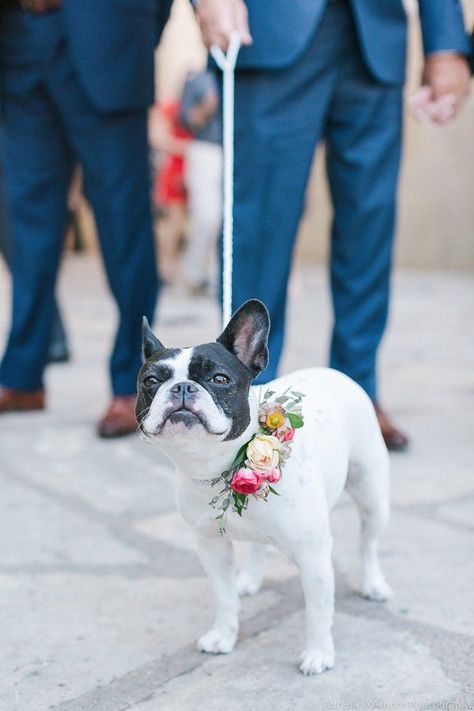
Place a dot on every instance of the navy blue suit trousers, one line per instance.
(50, 126)
(327, 94)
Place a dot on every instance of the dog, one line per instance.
(199, 406)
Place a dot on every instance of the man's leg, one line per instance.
(38, 167)
(118, 187)
(363, 155)
(279, 119)
(58, 350)
(4, 224)
(113, 151)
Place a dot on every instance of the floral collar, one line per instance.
(258, 463)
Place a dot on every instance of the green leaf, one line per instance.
(240, 502)
(273, 490)
(280, 400)
(295, 420)
(240, 456)
(298, 394)
(268, 394)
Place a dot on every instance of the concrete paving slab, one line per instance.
(136, 477)
(461, 512)
(101, 594)
(68, 634)
(79, 632)
(36, 531)
(375, 668)
(169, 528)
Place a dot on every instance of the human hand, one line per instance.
(219, 18)
(445, 82)
(40, 6)
(425, 109)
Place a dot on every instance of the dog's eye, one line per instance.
(220, 379)
(150, 381)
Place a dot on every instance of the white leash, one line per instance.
(226, 62)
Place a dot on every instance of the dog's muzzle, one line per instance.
(184, 393)
(182, 402)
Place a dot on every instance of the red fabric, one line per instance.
(169, 187)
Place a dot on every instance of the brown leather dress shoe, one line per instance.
(20, 401)
(119, 420)
(395, 440)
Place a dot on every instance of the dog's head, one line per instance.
(203, 392)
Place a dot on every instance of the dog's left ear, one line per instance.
(246, 335)
(150, 343)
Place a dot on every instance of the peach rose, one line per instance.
(246, 481)
(263, 453)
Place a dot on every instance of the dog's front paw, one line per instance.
(248, 584)
(377, 590)
(217, 642)
(314, 661)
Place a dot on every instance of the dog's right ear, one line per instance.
(150, 343)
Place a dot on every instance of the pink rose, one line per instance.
(273, 476)
(246, 481)
(286, 435)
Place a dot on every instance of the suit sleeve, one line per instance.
(442, 26)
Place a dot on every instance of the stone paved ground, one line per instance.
(101, 595)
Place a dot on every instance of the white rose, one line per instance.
(263, 452)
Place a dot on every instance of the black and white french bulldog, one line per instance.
(199, 406)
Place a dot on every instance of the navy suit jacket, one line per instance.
(281, 30)
(112, 44)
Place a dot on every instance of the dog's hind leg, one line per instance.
(250, 577)
(368, 484)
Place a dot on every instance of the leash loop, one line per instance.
(226, 63)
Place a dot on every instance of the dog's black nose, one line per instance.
(184, 388)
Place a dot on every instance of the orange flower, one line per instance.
(274, 421)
